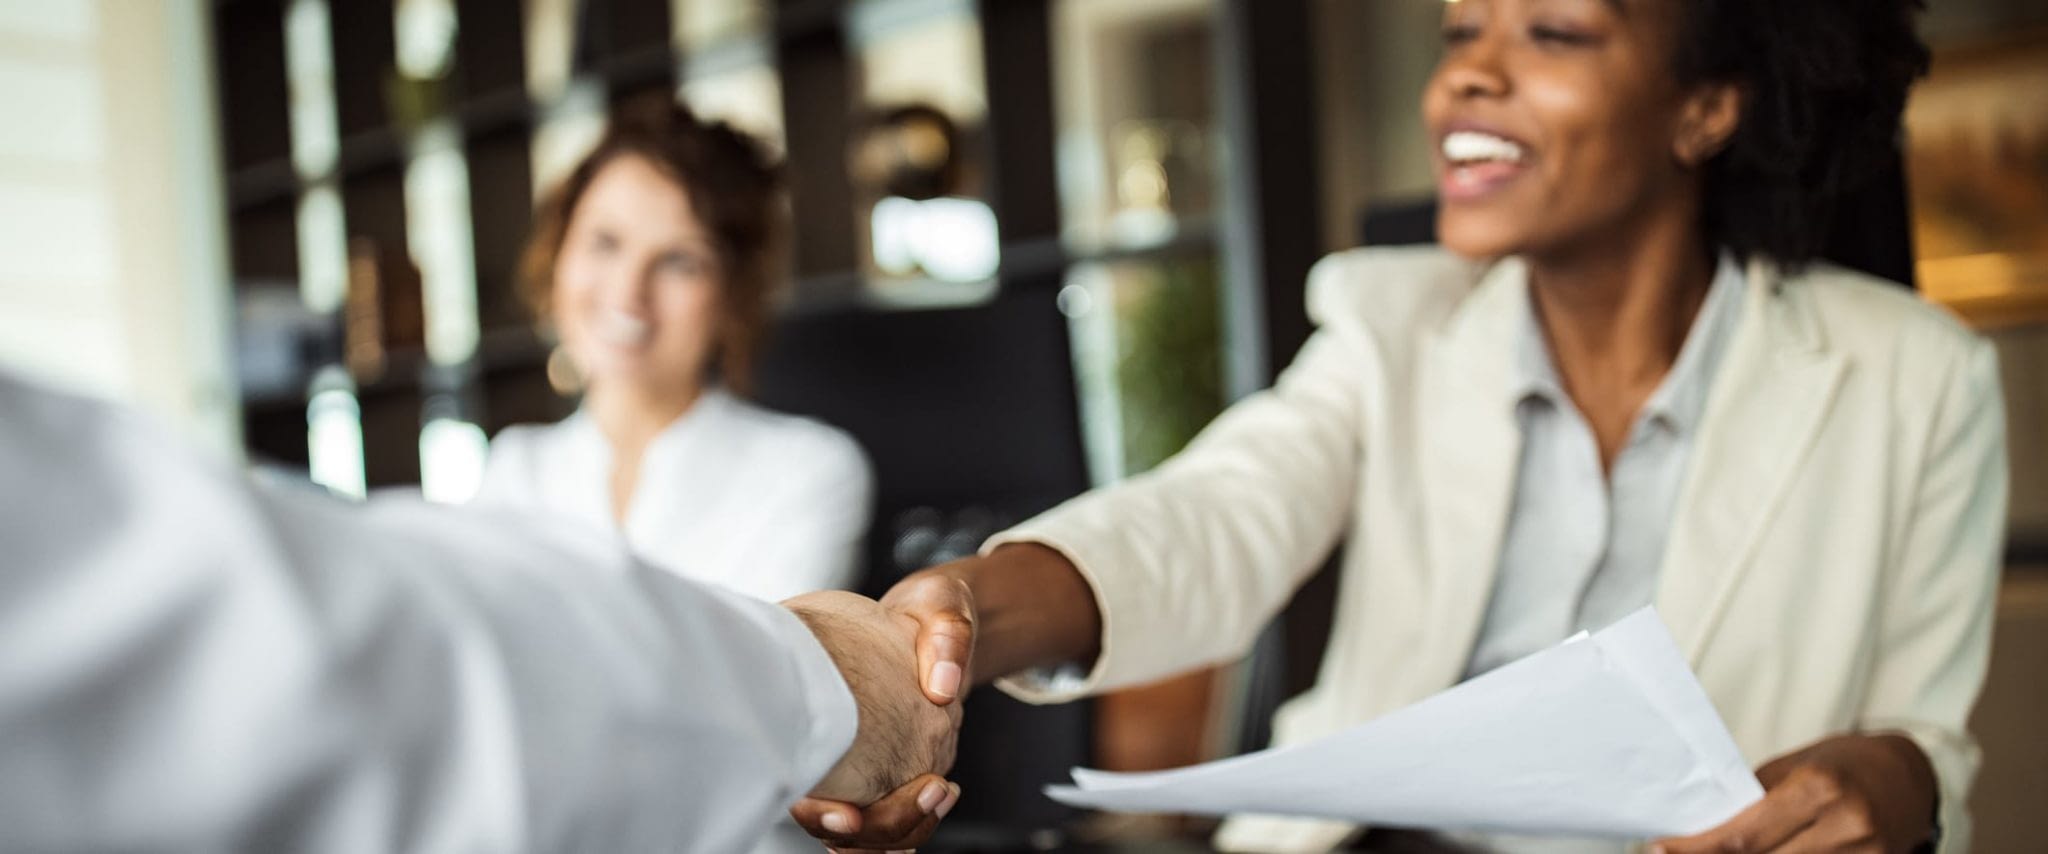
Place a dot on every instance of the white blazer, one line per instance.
(190, 662)
(1833, 556)
(758, 502)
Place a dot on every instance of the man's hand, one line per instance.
(902, 735)
(1848, 793)
(939, 611)
(1020, 606)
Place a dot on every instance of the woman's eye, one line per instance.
(603, 244)
(1561, 36)
(681, 264)
(1455, 35)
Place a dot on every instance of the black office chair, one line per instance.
(969, 416)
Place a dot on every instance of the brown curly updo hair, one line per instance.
(735, 189)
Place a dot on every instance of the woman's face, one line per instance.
(1558, 122)
(637, 283)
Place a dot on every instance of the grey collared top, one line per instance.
(1581, 549)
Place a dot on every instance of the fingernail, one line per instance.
(928, 800)
(946, 679)
(951, 799)
(836, 822)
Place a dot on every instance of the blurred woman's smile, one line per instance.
(621, 330)
(1474, 164)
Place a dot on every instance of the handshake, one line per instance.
(904, 660)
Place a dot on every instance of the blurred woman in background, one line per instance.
(655, 262)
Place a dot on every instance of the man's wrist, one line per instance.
(833, 723)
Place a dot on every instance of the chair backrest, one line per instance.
(969, 416)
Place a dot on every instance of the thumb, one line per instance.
(944, 610)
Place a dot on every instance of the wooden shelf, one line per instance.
(1991, 291)
(1036, 264)
(410, 371)
(494, 114)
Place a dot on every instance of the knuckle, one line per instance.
(938, 729)
(1814, 785)
(943, 762)
(1828, 790)
(1859, 822)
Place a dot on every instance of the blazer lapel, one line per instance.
(1763, 416)
(1470, 443)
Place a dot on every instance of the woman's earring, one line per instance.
(563, 375)
(1698, 150)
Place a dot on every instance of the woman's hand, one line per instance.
(1871, 793)
(943, 607)
(900, 821)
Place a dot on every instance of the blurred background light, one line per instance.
(334, 434)
(451, 460)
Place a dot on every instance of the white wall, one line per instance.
(113, 270)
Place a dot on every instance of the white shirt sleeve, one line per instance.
(189, 662)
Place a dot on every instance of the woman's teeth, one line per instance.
(1469, 147)
(620, 329)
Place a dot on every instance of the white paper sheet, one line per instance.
(1608, 735)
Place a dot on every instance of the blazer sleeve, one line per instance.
(1934, 637)
(1189, 562)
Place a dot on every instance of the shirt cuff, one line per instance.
(832, 716)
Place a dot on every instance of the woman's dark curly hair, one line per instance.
(1826, 83)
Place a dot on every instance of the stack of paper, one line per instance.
(1608, 735)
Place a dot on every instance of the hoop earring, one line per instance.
(563, 375)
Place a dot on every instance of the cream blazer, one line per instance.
(1833, 557)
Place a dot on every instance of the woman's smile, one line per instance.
(1473, 165)
(621, 330)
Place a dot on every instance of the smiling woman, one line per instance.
(1624, 380)
(654, 263)
(1646, 94)
(1607, 139)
